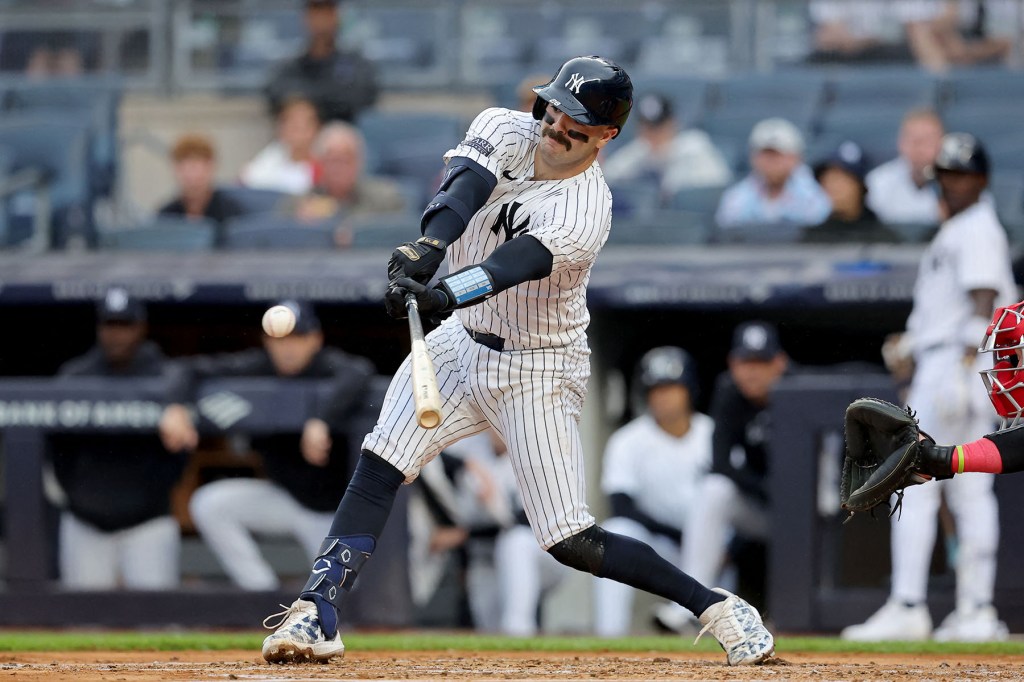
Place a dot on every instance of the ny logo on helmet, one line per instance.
(576, 81)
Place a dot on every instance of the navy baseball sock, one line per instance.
(636, 564)
(361, 515)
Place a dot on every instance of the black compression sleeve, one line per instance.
(472, 187)
(624, 506)
(520, 260)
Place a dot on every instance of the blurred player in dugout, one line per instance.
(306, 473)
(116, 528)
(652, 470)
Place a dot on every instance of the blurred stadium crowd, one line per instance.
(820, 128)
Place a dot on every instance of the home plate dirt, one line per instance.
(453, 666)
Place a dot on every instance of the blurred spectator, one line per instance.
(883, 31)
(306, 472)
(842, 177)
(343, 187)
(734, 496)
(652, 471)
(286, 164)
(341, 83)
(780, 189)
(45, 54)
(117, 529)
(525, 93)
(195, 166)
(901, 190)
(672, 158)
(959, 37)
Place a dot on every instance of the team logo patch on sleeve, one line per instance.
(479, 144)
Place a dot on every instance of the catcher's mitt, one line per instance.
(884, 455)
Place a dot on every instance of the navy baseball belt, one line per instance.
(492, 341)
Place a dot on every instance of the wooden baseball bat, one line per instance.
(424, 381)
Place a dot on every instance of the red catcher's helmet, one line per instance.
(1005, 381)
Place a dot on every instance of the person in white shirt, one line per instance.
(668, 156)
(901, 190)
(652, 468)
(286, 164)
(780, 188)
(964, 276)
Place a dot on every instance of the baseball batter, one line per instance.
(521, 214)
(964, 274)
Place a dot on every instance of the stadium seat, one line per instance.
(635, 197)
(974, 86)
(96, 100)
(1007, 190)
(270, 231)
(780, 233)
(701, 200)
(660, 228)
(774, 94)
(384, 230)
(254, 200)
(57, 148)
(985, 120)
(165, 233)
(899, 89)
(409, 143)
(688, 96)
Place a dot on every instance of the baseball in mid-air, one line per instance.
(278, 321)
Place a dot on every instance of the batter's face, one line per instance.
(755, 378)
(960, 190)
(291, 354)
(668, 402)
(566, 147)
(120, 340)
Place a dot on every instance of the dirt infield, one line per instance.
(454, 666)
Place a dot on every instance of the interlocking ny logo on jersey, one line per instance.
(507, 219)
(576, 82)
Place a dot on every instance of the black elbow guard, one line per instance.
(464, 190)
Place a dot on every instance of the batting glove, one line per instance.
(429, 301)
(417, 260)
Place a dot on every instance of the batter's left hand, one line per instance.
(429, 301)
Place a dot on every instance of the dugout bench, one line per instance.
(32, 409)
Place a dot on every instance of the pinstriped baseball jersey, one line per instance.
(570, 217)
(532, 391)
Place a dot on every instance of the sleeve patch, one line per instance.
(479, 144)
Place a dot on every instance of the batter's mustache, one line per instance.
(557, 137)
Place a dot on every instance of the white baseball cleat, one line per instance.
(738, 628)
(298, 637)
(979, 624)
(894, 621)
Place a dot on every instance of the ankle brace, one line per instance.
(333, 573)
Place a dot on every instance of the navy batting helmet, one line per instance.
(590, 90)
(668, 365)
(962, 153)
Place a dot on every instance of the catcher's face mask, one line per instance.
(1005, 381)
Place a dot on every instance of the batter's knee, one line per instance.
(583, 551)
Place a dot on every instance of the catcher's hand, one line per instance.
(885, 453)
